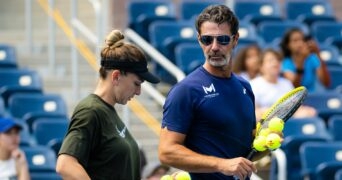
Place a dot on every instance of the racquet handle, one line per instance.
(251, 154)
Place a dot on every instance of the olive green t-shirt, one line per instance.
(101, 143)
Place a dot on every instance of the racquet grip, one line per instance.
(251, 154)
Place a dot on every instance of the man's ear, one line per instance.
(236, 39)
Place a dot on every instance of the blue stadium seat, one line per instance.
(25, 135)
(338, 175)
(44, 130)
(142, 13)
(333, 36)
(248, 34)
(40, 158)
(189, 56)
(330, 55)
(273, 30)
(335, 127)
(296, 132)
(257, 11)
(309, 11)
(336, 77)
(166, 35)
(327, 103)
(19, 81)
(25, 104)
(189, 9)
(8, 57)
(2, 108)
(55, 145)
(321, 159)
(45, 176)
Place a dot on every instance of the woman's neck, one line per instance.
(270, 78)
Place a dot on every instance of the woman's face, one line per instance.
(270, 65)
(129, 85)
(252, 59)
(10, 139)
(296, 43)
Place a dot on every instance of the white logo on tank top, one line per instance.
(122, 133)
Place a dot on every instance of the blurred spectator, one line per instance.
(247, 62)
(154, 171)
(301, 64)
(269, 86)
(13, 164)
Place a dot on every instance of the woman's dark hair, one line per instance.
(284, 44)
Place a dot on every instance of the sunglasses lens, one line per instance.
(223, 40)
(206, 40)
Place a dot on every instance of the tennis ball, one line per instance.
(259, 143)
(273, 141)
(183, 176)
(264, 132)
(276, 124)
(166, 177)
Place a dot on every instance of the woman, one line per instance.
(300, 65)
(98, 144)
(247, 62)
(13, 164)
(269, 86)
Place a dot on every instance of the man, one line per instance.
(208, 118)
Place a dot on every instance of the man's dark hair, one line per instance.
(218, 14)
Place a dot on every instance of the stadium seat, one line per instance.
(330, 55)
(320, 160)
(25, 135)
(248, 34)
(326, 103)
(8, 57)
(25, 104)
(319, 31)
(165, 35)
(335, 127)
(257, 11)
(189, 9)
(45, 176)
(44, 130)
(309, 11)
(273, 30)
(338, 175)
(296, 132)
(336, 77)
(2, 108)
(19, 81)
(55, 145)
(189, 56)
(142, 13)
(40, 158)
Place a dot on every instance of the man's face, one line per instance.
(217, 43)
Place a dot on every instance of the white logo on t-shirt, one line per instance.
(122, 133)
(210, 89)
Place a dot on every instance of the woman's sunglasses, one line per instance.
(222, 39)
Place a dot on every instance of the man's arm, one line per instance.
(173, 152)
(70, 169)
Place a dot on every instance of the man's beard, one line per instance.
(219, 63)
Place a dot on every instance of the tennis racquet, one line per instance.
(284, 108)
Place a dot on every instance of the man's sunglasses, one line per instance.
(222, 39)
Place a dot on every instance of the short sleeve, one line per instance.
(287, 65)
(178, 110)
(80, 136)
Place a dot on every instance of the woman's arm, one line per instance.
(70, 169)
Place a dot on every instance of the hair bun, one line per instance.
(114, 37)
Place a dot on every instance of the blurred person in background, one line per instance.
(98, 144)
(301, 65)
(247, 62)
(13, 164)
(270, 86)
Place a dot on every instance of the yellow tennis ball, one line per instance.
(264, 132)
(276, 124)
(183, 176)
(166, 177)
(273, 141)
(259, 143)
